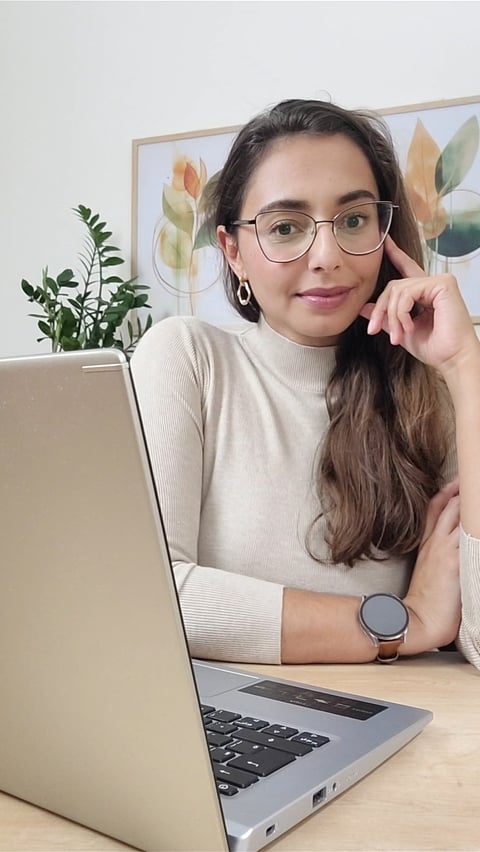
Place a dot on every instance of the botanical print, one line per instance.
(176, 246)
(439, 153)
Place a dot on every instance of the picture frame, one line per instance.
(438, 145)
(173, 247)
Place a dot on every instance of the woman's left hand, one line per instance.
(440, 332)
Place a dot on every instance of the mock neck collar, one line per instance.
(307, 368)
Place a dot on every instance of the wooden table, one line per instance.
(425, 797)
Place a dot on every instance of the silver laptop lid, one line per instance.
(67, 611)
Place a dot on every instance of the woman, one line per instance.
(309, 461)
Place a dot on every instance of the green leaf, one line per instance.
(205, 200)
(69, 344)
(44, 326)
(112, 261)
(178, 209)
(141, 302)
(112, 279)
(51, 284)
(67, 323)
(83, 211)
(174, 247)
(28, 289)
(205, 236)
(457, 157)
(65, 278)
(109, 337)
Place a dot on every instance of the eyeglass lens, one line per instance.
(288, 234)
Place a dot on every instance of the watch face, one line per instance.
(384, 615)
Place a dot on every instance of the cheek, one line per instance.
(369, 271)
(257, 268)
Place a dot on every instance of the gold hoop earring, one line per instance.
(244, 294)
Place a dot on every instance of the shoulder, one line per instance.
(177, 341)
(185, 333)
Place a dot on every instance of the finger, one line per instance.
(377, 318)
(437, 504)
(449, 517)
(391, 312)
(407, 267)
(451, 488)
(454, 537)
(400, 304)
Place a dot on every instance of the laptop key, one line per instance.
(226, 789)
(280, 731)
(242, 747)
(225, 716)
(217, 739)
(221, 755)
(263, 763)
(234, 776)
(206, 708)
(291, 747)
(314, 740)
(220, 727)
(253, 724)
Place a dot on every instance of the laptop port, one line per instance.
(319, 796)
(270, 830)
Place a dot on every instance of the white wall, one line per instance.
(80, 80)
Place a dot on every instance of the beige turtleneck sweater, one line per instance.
(232, 423)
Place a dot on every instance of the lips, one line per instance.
(324, 298)
(324, 292)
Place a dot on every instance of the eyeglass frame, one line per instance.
(316, 223)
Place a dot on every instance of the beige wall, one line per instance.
(80, 80)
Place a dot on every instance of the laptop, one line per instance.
(104, 718)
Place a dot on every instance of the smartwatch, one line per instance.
(384, 618)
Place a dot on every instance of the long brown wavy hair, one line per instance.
(381, 459)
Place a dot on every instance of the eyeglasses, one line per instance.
(285, 235)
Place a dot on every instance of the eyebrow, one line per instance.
(297, 204)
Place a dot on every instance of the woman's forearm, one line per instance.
(321, 628)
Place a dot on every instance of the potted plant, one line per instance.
(99, 309)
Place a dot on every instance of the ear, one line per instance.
(229, 246)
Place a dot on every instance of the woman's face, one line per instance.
(313, 299)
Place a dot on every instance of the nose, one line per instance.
(324, 253)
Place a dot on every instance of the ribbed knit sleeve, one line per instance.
(227, 616)
(469, 635)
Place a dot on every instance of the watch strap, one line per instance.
(388, 651)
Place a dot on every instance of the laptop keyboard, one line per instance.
(244, 749)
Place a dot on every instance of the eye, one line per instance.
(353, 220)
(285, 228)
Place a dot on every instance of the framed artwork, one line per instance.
(173, 247)
(438, 147)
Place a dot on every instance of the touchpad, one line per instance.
(211, 680)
